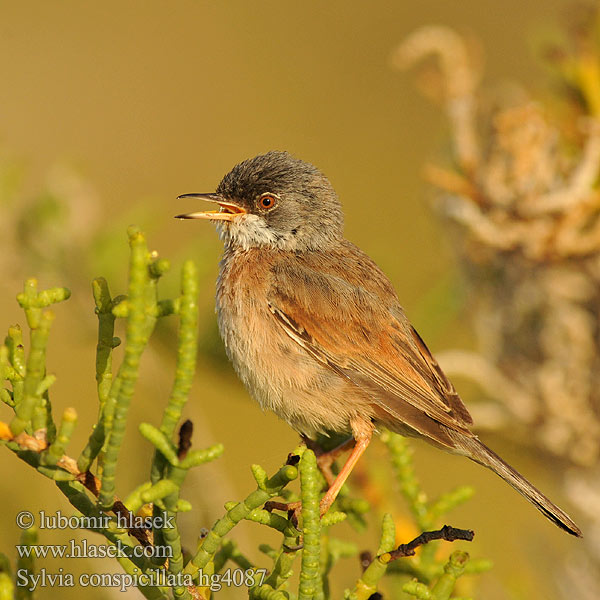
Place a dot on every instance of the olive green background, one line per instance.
(148, 100)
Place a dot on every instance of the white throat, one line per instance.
(249, 231)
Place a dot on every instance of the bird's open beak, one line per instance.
(227, 211)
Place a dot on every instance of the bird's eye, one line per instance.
(267, 201)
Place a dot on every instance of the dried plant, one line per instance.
(522, 200)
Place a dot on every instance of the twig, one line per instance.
(447, 533)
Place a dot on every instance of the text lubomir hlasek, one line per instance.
(102, 521)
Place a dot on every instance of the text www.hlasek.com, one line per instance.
(82, 549)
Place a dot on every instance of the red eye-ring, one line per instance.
(267, 201)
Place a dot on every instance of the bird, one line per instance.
(315, 330)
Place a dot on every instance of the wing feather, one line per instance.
(355, 326)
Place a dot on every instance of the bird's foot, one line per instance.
(294, 509)
(325, 459)
(285, 506)
(325, 504)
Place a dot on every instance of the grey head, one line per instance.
(275, 200)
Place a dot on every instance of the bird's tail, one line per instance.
(477, 451)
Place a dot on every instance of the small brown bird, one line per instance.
(315, 330)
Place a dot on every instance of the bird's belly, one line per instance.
(281, 375)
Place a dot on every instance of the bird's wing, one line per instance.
(355, 326)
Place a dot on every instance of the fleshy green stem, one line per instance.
(310, 576)
(36, 367)
(26, 564)
(367, 584)
(401, 455)
(443, 588)
(132, 564)
(267, 592)
(141, 318)
(104, 375)
(187, 348)
(454, 568)
(210, 544)
(170, 535)
(58, 447)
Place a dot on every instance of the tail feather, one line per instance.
(480, 453)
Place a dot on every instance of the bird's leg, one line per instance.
(326, 459)
(362, 433)
(362, 441)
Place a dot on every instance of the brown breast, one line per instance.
(277, 372)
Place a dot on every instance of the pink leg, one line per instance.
(362, 431)
(362, 441)
(326, 459)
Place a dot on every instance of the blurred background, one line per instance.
(109, 111)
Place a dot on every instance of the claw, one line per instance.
(293, 509)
